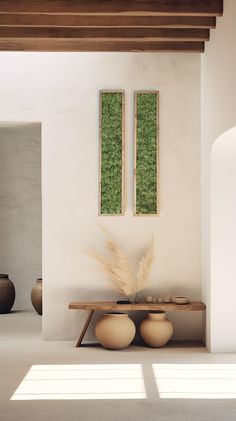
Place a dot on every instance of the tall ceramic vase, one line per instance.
(36, 296)
(7, 294)
(156, 330)
(115, 330)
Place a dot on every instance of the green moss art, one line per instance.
(146, 151)
(111, 163)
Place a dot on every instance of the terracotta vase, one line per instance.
(115, 330)
(7, 294)
(156, 330)
(36, 296)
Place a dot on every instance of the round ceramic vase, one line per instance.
(115, 331)
(7, 294)
(36, 296)
(156, 330)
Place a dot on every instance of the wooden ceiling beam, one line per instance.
(140, 34)
(103, 7)
(45, 20)
(107, 25)
(95, 45)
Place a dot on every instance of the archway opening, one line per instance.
(223, 243)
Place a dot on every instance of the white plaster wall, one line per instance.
(223, 241)
(61, 90)
(20, 208)
(218, 71)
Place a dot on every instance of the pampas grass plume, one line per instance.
(117, 266)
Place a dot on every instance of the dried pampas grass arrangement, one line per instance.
(117, 266)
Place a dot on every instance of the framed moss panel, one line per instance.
(146, 153)
(111, 167)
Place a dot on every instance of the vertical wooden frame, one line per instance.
(136, 93)
(123, 194)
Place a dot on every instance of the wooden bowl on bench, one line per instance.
(181, 300)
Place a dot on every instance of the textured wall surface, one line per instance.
(62, 91)
(20, 207)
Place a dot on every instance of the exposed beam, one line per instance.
(140, 34)
(130, 7)
(45, 20)
(84, 45)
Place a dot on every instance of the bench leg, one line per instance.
(91, 313)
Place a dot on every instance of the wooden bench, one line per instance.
(112, 306)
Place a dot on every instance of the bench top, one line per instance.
(107, 305)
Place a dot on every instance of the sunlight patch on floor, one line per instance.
(82, 382)
(195, 381)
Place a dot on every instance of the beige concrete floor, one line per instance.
(21, 347)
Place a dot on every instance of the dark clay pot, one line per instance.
(36, 296)
(7, 294)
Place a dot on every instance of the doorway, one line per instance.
(21, 208)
